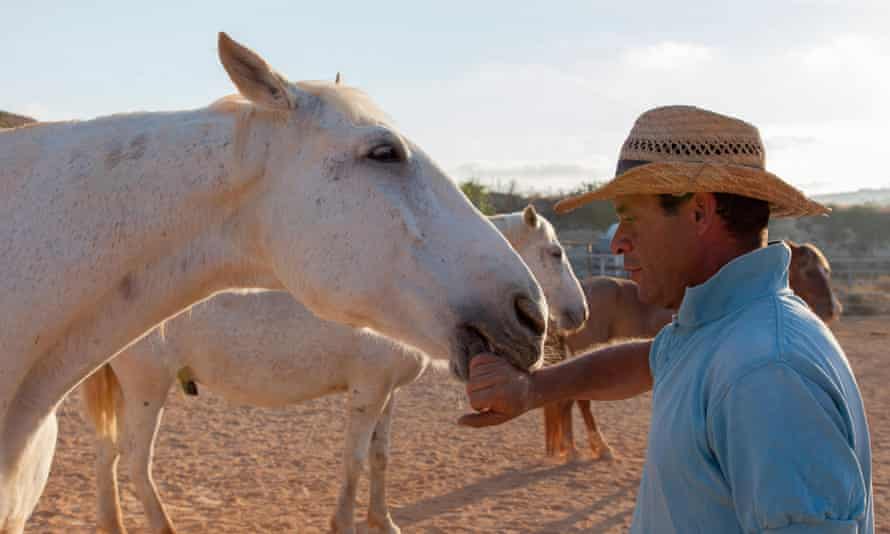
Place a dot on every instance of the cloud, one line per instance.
(787, 142)
(841, 53)
(544, 169)
(668, 56)
(537, 176)
(821, 106)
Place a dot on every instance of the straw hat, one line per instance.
(684, 149)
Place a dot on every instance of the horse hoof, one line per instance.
(337, 529)
(603, 453)
(383, 526)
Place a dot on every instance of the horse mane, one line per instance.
(354, 103)
(820, 256)
(814, 250)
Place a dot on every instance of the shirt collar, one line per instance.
(739, 282)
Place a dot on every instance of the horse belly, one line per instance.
(271, 382)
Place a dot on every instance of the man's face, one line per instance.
(659, 250)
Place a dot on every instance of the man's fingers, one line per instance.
(487, 363)
(483, 359)
(481, 419)
(490, 368)
(477, 384)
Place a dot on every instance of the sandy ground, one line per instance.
(228, 468)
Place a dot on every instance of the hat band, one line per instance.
(625, 165)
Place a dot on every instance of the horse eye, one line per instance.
(557, 253)
(385, 153)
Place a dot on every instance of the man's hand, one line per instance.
(497, 391)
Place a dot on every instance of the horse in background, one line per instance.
(620, 315)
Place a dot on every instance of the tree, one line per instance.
(478, 195)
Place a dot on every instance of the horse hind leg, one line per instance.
(566, 437)
(110, 518)
(551, 429)
(364, 412)
(101, 396)
(378, 512)
(598, 446)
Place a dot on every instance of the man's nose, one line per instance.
(620, 245)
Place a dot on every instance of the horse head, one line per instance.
(394, 246)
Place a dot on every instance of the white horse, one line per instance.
(110, 226)
(266, 349)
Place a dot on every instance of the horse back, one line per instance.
(603, 296)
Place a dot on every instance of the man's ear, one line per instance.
(704, 211)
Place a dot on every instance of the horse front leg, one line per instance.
(598, 445)
(139, 453)
(378, 512)
(365, 408)
(145, 394)
(22, 481)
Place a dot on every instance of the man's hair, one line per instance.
(746, 218)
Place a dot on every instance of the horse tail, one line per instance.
(101, 393)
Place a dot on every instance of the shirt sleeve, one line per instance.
(784, 448)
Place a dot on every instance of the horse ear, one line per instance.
(530, 216)
(338, 79)
(253, 77)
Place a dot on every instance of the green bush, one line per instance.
(478, 195)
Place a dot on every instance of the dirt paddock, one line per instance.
(227, 468)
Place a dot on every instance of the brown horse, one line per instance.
(617, 313)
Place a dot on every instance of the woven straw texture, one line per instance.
(691, 150)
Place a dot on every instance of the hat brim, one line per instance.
(682, 177)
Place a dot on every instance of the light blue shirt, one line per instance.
(757, 421)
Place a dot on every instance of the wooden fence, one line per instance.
(858, 269)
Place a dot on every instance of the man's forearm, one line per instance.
(615, 372)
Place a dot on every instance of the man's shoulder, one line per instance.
(779, 330)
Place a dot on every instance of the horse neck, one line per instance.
(134, 187)
(188, 243)
(146, 296)
(511, 226)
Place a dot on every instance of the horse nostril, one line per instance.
(580, 318)
(529, 315)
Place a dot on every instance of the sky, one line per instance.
(540, 93)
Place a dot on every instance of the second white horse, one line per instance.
(266, 349)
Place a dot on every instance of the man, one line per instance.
(757, 421)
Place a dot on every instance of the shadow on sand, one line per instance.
(491, 487)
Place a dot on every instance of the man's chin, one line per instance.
(634, 275)
(644, 296)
